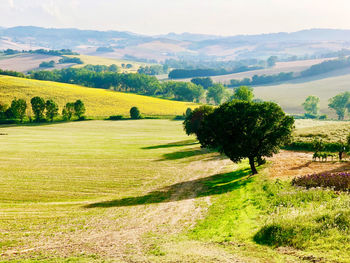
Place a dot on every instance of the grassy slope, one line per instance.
(50, 173)
(291, 95)
(98, 102)
(95, 60)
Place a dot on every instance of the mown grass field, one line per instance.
(142, 191)
(98, 102)
(96, 60)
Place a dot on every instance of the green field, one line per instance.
(98, 102)
(142, 191)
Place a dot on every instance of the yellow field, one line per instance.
(98, 102)
(94, 60)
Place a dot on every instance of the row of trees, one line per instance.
(262, 79)
(340, 103)
(42, 110)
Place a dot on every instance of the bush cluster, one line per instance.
(336, 181)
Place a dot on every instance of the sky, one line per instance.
(152, 17)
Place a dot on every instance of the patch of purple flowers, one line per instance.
(337, 181)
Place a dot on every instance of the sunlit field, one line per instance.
(98, 102)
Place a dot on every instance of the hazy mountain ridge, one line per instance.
(172, 45)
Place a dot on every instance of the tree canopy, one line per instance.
(241, 129)
(312, 105)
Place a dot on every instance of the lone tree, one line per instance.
(51, 109)
(38, 107)
(244, 93)
(135, 113)
(312, 105)
(250, 130)
(79, 109)
(339, 103)
(18, 108)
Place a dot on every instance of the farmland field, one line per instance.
(98, 102)
(142, 191)
(26, 62)
(96, 60)
(292, 94)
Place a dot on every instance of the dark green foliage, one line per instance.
(3, 109)
(70, 60)
(45, 64)
(12, 73)
(38, 107)
(262, 79)
(275, 235)
(326, 66)
(51, 109)
(18, 109)
(216, 93)
(204, 82)
(135, 113)
(68, 111)
(79, 109)
(183, 91)
(188, 112)
(340, 103)
(202, 72)
(250, 130)
(193, 123)
(115, 117)
(243, 93)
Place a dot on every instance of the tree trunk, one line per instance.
(252, 165)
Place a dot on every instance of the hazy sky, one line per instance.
(223, 17)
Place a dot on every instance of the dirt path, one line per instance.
(291, 164)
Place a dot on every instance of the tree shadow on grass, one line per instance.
(212, 185)
(172, 144)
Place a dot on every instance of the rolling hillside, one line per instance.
(98, 102)
(291, 95)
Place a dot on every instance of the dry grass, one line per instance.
(96, 60)
(98, 102)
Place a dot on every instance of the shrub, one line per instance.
(115, 117)
(79, 109)
(336, 181)
(135, 113)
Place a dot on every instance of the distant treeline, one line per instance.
(192, 73)
(153, 70)
(106, 77)
(324, 67)
(60, 52)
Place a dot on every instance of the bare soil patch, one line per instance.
(292, 164)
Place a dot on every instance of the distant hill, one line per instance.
(98, 102)
(195, 46)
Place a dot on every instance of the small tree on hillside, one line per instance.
(3, 109)
(244, 93)
(250, 130)
(339, 103)
(188, 112)
(312, 105)
(18, 108)
(135, 113)
(79, 109)
(38, 107)
(51, 109)
(68, 111)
